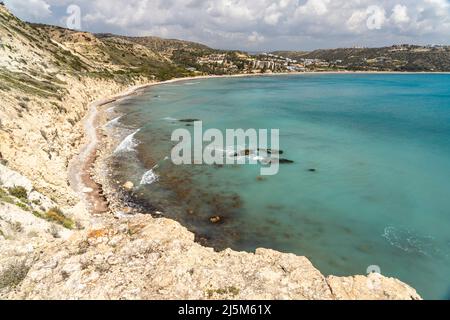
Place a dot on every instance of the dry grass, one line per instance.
(13, 274)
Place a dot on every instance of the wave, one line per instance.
(412, 242)
(191, 83)
(170, 119)
(150, 176)
(113, 122)
(111, 109)
(229, 152)
(128, 144)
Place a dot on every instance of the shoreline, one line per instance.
(82, 176)
(87, 170)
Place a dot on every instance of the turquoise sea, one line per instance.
(369, 186)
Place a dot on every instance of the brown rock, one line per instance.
(215, 219)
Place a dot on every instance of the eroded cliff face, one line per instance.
(45, 91)
(48, 253)
(40, 138)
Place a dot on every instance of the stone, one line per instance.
(285, 161)
(87, 190)
(189, 120)
(271, 151)
(215, 219)
(128, 185)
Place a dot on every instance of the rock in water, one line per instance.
(128, 185)
(270, 151)
(286, 161)
(189, 120)
(215, 219)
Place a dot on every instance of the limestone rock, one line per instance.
(128, 185)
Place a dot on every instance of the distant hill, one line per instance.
(180, 52)
(114, 56)
(394, 58)
(158, 44)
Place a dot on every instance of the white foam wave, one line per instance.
(411, 242)
(228, 152)
(113, 122)
(150, 177)
(170, 119)
(258, 158)
(111, 109)
(191, 83)
(128, 144)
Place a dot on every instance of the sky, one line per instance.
(254, 25)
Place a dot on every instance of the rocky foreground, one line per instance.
(53, 247)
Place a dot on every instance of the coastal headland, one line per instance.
(61, 237)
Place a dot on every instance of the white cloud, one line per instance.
(30, 9)
(264, 24)
(400, 15)
(357, 20)
(255, 38)
(273, 14)
(314, 7)
(441, 7)
(376, 17)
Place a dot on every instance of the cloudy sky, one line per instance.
(254, 24)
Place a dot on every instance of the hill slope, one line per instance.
(395, 58)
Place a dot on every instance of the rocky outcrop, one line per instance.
(146, 258)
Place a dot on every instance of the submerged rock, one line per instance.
(215, 219)
(271, 151)
(128, 185)
(245, 152)
(285, 161)
(189, 120)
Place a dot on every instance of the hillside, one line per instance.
(163, 46)
(396, 58)
(114, 57)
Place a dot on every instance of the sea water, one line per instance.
(369, 186)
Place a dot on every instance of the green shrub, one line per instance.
(56, 215)
(37, 214)
(4, 197)
(22, 206)
(19, 192)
